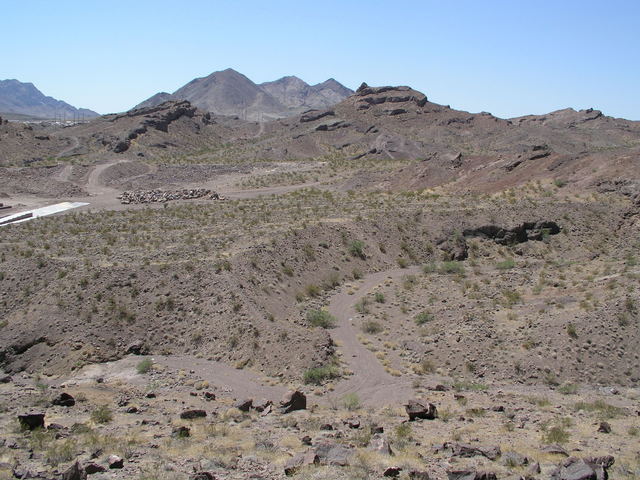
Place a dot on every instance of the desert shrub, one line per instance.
(452, 266)
(362, 306)
(568, 389)
(379, 297)
(357, 274)
(511, 297)
(321, 318)
(507, 264)
(402, 262)
(351, 401)
(423, 317)
(144, 366)
(371, 326)
(427, 366)
(312, 290)
(571, 330)
(102, 414)
(356, 249)
(556, 434)
(600, 407)
(317, 375)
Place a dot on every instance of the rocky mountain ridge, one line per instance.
(25, 99)
(228, 92)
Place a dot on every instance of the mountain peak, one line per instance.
(25, 99)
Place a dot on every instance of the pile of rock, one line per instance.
(161, 196)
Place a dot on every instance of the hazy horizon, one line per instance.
(508, 59)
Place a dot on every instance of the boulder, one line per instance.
(91, 468)
(514, 459)
(333, 454)
(604, 427)
(379, 444)
(468, 474)
(554, 449)
(137, 348)
(244, 405)
(31, 421)
(74, 472)
(181, 432)
(262, 405)
(293, 400)
(392, 472)
(299, 461)
(191, 414)
(63, 400)
(115, 462)
(202, 476)
(416, 409)
(419, 475)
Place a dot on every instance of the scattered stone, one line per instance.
(202, 476)
(352, 423)
(244, 405)
(74, 472)
(91, 468)
(334, 454)
(181, 432)
(306, 440)
(137, 348)
(604, 427)
(392, 472)
(419, 475)
(293, 400)
(262, 405)
(466, 450)
(534, 468)
(326, 427)
(63, 400)
(301, 460)
(162, 196)
(554, 449)
(6, 379)
(416, 409)
(470, 475)
(514, 459)
(209, 396)
(31, 421)
(115, 462)
(379, 444)
(191, 414)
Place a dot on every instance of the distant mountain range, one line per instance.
(24, 100)
(230, 93)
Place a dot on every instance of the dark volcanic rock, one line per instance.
(416, 409)
(191, 414)
(299, 461)
(74, 472)
(31, 421)
(293, 400)
(63, 400)
(334, 454)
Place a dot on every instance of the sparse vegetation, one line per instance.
(321, 318)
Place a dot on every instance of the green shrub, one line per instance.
(144, 366)
(423, 317)
(351, 401)
(508, 264)
(452, 266)
(571, 330)
(102, 414)
(556, 434)
(371, 326)
(321, 318)
(379, 297)
(568, 389)
(356, 249)
(317, 375)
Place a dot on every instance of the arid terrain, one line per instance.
(387, 287)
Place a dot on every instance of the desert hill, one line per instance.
(228, 92)
(25, 99)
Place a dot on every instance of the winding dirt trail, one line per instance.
(370, 381)
(75, 144)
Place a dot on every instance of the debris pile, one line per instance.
(160, 196)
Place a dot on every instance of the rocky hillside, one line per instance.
(230, 93)
(25, 99)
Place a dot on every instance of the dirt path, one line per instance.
(66, 151)
(370, 381)
(94, 185)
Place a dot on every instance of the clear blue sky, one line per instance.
(509, 57)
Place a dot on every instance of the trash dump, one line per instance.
(161, 196)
